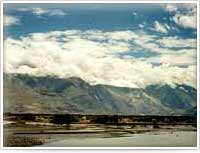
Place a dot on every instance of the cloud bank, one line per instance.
(101, 57)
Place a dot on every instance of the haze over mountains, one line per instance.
(47, 94)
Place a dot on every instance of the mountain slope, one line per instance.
(30, 94)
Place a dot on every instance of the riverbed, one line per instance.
(98, 135)
(149, 139)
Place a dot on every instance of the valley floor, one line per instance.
(98, 135)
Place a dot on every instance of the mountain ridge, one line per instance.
(44, 94)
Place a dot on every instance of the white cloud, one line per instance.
(171, 7)
(41, 11)
(160, 27)
(141, 25)
(177, 42)
(10, 20)
(179, 7)
(185, 15)
(180, 58)
(121, 35)
(57, 12)
(186, 21)
(135, 13)
(97, 62)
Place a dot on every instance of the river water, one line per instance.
(148, 139)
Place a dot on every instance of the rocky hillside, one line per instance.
(31, 94)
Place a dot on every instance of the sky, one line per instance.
(126, 45)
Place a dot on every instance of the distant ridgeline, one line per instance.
(51, 95)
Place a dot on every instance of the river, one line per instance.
(148, 139)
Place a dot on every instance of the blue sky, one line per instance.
(150, 40)
(107, 17)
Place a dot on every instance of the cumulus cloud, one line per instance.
(93, 56)
(184, 15)
(41, 11)
(186, 21)
(160, 27)
(10, 20)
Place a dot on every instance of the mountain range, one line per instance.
(48, 94)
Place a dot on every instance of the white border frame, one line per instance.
(83, 1)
